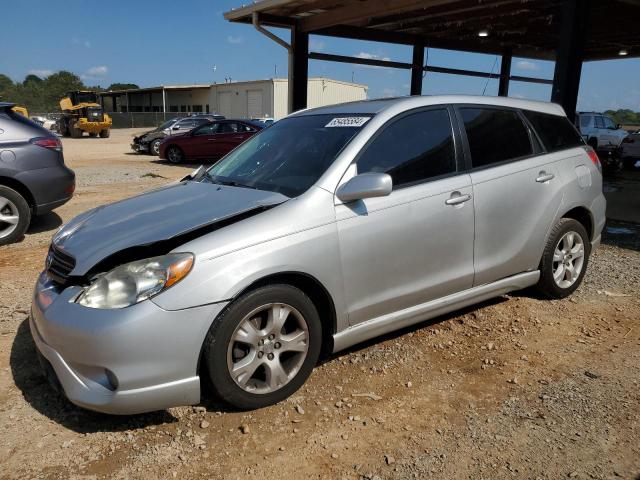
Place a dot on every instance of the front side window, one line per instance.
(414, 148)
(495, 135)
(555, 131)
(288, 157)
(599, 122)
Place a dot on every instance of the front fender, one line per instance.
(313, 252)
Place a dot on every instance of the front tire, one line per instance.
(175, 155)
(154, 148)
(263, 346)
(15, 215)
(565, 258)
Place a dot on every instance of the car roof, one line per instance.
(373, 107)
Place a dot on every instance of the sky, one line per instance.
(162, 42)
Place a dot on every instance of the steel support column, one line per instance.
(572, 34)
(416, 70)
(299, 65)
(505, 73)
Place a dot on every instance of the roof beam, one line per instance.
(356, 10)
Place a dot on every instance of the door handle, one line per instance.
(457, 198)
(544, 177)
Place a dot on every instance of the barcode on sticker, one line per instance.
(348, 122)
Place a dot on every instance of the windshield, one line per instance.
(290, 156)
(166, 124)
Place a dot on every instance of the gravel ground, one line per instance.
(517, 387)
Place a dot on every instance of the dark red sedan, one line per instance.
(210, 141)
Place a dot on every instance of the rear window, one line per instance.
(495, 135)
(555, 131)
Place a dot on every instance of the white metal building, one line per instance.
(248, 99)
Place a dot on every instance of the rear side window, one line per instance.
(555, 131)
(495, 135)
(412, 149)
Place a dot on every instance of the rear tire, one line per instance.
(565, 259)
(105, 133)
(254, 360)
(15, 215)
(175, 155)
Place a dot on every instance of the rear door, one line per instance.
(414, 245)
(516, 191)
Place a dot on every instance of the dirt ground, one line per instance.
(517, 387)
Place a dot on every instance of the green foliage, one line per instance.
(624, 116)
(41, 95)
(122, 86)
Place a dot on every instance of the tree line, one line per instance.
(624, 116)
(44, 94)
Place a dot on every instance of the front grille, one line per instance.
(59, 265)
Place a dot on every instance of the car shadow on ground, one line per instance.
(43, 223)
(622, 234)
(42, 397)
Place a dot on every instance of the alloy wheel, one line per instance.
(9, 217)
(268, 348)
(568, 259)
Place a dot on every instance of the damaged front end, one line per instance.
(150, 226)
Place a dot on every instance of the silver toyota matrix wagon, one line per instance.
(333, 226)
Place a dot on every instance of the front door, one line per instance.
(203, 142)
(416, 244)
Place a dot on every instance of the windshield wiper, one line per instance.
(230, 183)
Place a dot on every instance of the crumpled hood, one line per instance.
(154, 216)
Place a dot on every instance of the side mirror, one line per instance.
(365, 185)
(195, 175)
(175, 127)
(618, 126)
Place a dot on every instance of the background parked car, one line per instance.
(210, 141)
(630, 149)
(603, 135)
(33, 177)
(149, 142)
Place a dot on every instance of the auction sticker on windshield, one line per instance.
(348, 122)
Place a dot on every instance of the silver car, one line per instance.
(333, 226)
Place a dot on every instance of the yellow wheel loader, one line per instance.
(81, 112)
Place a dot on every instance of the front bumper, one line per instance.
(140, 147)
(122, 361)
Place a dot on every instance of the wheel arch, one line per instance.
(582, 215)
(21, 188)
(315, 290)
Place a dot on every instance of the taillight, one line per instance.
(594, 157)
(52, 143)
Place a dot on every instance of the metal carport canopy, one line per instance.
(567, 31)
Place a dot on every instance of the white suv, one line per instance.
(600, 131)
